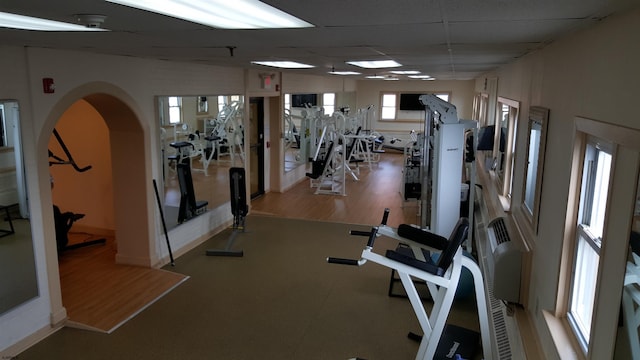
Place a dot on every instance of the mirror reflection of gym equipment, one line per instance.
(17, 261)
(207, 134)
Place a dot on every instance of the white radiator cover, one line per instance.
(505, 335)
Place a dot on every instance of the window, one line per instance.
(388, 107)
(538, 118)
(287, 102)
(596, 171)
(329, 103)
(480, 109)
(391, 105)
(506, 123)
(175, 110)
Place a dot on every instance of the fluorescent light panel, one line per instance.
(14, 21)
(405, 72)
(225, 14)
(344, 72)
(283, 64)
(375, 64)
(422, 77)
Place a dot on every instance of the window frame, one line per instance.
(625, 168)
(177, 107)
(587, 244)
(505, 180)
(409, 116)
(537, 116)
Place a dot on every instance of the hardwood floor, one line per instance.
(100, 295)
(364, 203)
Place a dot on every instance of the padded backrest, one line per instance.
(456, 239)
(186, 184)
(237, 185)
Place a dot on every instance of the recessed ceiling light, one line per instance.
(405, 72)
(14, 21)
(225, 14)
(425, 77)
(344, 72)
(375, 64)
(374, 77)
(283, 64)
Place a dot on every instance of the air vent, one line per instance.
(498, 233)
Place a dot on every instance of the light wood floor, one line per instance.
(366, 199)
(100, 295)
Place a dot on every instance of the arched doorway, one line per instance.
(131, 203)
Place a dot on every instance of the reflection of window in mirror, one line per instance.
(538, 118)
(506, 121)
(175, 110)
(203, 107)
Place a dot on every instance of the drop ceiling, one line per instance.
(447, 39)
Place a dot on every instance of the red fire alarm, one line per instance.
(48, 87)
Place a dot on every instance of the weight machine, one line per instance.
(442, 280)
(239, 209)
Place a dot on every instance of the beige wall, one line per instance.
(86, 136)
(592, 74)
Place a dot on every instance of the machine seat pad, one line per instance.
(413, 262)
(423, 237)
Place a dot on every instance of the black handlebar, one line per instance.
(372, 238)
(342, 261)
(385, 216)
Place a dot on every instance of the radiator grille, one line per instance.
(500, 230)
(501, 333)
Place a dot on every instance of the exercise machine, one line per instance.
(413, 261)
(189, 206)
(63, 223)
(239, 209)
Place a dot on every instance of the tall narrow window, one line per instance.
(329, 103)
(594, 190)
(538, 118)
(506, 122)
(388, 108)
(175, 110)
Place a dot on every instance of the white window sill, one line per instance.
(566, 346)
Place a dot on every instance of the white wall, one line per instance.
(591, 74)
(139, 81)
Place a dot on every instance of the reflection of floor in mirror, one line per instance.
(16, 258)
(213, 188)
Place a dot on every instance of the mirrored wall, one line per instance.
(201, 137)
(18, 281)
(628, 339)
(300, 112)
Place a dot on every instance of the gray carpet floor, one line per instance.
(282, 300)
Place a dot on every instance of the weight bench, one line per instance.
(441, 278)
(189, 207)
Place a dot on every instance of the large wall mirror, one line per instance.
(300, 111)
(18, 281)
(201, 138)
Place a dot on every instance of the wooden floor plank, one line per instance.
(100, 294)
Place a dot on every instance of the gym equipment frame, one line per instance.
(441, 279)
